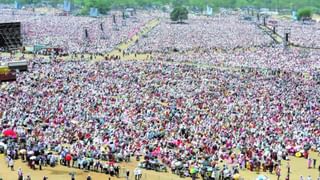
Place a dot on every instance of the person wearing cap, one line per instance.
(89, 177)
(20, 174)
(127, 174)
(28, 177)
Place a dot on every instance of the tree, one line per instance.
(304, 13)
(105, 5)
(179, 14)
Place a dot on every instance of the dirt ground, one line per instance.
(298, 168)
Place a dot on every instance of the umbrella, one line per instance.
(23, 151)
(68, 157)
(261, 177)
(155, 153)
(74, 122)
(89, 159)
(306, 147)
(33, 158)
(236, 176)
(30, 152)
(209, 169)
(178, 164)
(193, 171)
(10, 133)
(110, 163)
(298, 154)
(87, 136)
(3, 145)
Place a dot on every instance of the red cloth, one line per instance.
(10, 133)
(68, 157)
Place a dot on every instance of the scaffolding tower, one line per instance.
(10, 36)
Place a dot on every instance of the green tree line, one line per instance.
(105, 5)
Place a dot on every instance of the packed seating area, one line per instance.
(176, 113)
(305, 34)
(216, 97)
(68, 32)
(224, 31)
(275, 58)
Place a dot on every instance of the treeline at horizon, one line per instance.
(106, 5)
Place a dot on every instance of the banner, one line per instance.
(17, 5)
(209, 11)
(294, 15)
(38, 47)
(94, 12)
(67, 5)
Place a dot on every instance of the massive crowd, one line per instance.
(305, 34)
(232, 42)
(69, 32)
(173, 112)
(213, 32)
(270, 58)
(191, 118)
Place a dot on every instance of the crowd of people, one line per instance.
(193, 119)
(221, 31)
(270, 58)
(231, 41)
(177, 113)
(305, 34)
(75, 34)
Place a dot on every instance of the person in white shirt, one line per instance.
(213, 175)
(7, 160)
(20, 174)
(135, 172)
(139, 171)
(11, 164)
